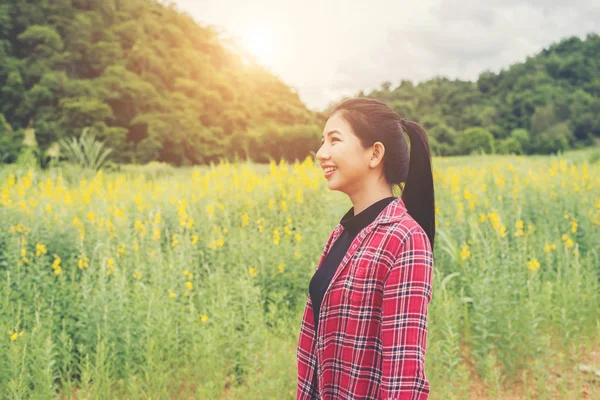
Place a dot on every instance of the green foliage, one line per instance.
(558, 86)
(85, 151)
(157, 86)
(149, 80)
(476, 140)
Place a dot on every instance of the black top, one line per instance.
(352, 224)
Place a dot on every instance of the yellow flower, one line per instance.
(110, 266)
(533, 265)
(186, 293)
(40, 249)
(245, 220)
(502, 231)
(189, 285)
(297, 255)
(281, 266)
(465, 253)
(252, 271)
(276, 237)
(204, 318)
(519, 225)
(137, 275)
(186, 272)
(15, 335)
(298, 237)
(23, 252)
(574, 225)
(172, 294)
(174, 241)
(194, 239)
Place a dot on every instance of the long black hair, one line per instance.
(373, 121)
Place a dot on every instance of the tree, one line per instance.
(475, 140)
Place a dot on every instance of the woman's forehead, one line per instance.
(337, 122)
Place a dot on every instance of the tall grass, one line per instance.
(191, 283)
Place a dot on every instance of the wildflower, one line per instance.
(210, 210)
(204, 318)
(194, 239)
(15, 335)
(276, 237)
(533, 265)
(465, 253)
(281, 267)
(110, 266)
(252, 271)
(40, 249)
(574, 225)
(519, 225)
(140, 228)
(174, 241)
(83, 262)
(549, 247)
(137, 275)
(189, 285)
(297, 255)
(172, 294)
(502, 231)
(283, 205)
(298, 237)
(245, 220)
(56, 265)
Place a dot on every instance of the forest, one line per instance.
(155, 85)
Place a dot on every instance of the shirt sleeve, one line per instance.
(407, 293)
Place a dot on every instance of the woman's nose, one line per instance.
(322, 154)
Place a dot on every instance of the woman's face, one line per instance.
(342, 150)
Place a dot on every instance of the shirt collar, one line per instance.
(355, 223)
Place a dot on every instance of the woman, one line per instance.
(364, 328)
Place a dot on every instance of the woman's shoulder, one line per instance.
(405, 232)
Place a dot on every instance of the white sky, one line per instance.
(330, 48)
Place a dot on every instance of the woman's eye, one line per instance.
(332, 139)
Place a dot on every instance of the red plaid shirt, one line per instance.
(373, 319)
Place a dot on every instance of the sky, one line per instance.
(327, 49)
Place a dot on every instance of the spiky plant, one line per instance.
(85, 151)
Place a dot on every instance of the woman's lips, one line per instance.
(328, 174)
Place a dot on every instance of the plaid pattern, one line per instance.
(373, 319)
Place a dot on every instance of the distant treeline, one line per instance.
(549, 103)
(155, 85)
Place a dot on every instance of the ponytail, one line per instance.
(418, 193)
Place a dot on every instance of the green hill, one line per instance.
(156, 85)
(153, 83)
(549, 103)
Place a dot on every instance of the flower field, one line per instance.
(156, 282)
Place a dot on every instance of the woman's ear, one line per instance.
(377, 155)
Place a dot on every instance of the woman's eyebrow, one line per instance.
(329, 134)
